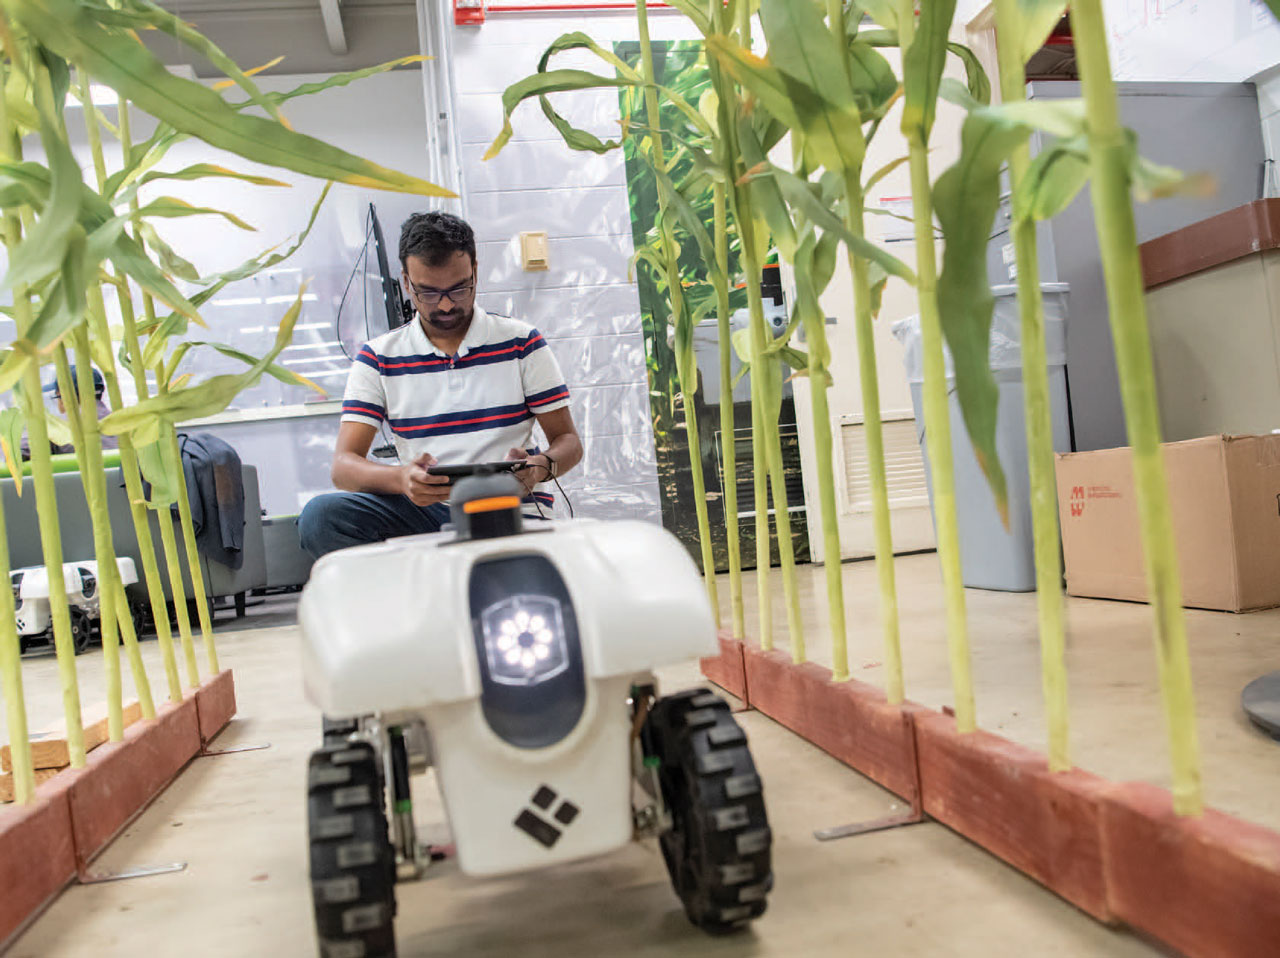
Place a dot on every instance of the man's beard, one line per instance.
(448, 322)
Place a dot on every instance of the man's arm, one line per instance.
(352, 472)
(563, 445)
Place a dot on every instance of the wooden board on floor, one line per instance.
(49, 749)
(42, 775)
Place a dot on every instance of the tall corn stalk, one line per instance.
(686, 362)
(922, 68)
(29, 396)
(128, 455)
(1039, 419)
(1110, 163)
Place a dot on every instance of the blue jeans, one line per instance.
(337, 520)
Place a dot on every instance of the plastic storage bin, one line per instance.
(991, 556)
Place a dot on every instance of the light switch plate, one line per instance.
(533, 251)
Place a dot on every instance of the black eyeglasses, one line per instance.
(431, 297)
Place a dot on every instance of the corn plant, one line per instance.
(66, 241)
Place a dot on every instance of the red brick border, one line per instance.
(215, 704)
(1003, 796)
(1207, 886)
(78, 812)
(727, 670)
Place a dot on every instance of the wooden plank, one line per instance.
(850, 720)
(1206, 886)
(49, 749)
(1003, 797)
(42, 775)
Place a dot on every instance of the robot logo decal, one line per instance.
(537, 827)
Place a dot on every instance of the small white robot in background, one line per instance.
(31, 599)
(519, 663)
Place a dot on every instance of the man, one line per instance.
(455, 385)
(99, 387)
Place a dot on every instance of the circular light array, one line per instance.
(524, 639)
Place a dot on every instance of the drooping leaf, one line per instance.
(881, 173)
(965, 199)
(1036, 20)
(575, 138)
(155, 470)
(540, 84)
(689, 218)
(122, 62)
(274, 370)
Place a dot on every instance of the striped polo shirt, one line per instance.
(471, 407)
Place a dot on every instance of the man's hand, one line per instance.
(421, 488)
(538, 468)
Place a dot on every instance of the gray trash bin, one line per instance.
(991, 556)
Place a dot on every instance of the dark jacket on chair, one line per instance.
(215, 488)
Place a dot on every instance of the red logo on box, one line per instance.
(1077, 501)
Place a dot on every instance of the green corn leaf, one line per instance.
(216, 282)
(170, 261)
(281, 373)
(812, 65)
(689, 218)
(11, 428)
(922, 65)
(758, 77)
(201, 171)
(695, 11)
(801, 197)
(540, 84)
(138, 14)
(884, 171)
(965, 199)
(874, 83)
(337, 80)
(156, 470)
(768, 198)
(1052, 181)
(878, 280)
(573, 137)
(44, 248)
(1035, 21)
(205, 399)
(122, 62)
(130, 258)
(580, 41)
(171, 207)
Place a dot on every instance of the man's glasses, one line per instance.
(431, 297)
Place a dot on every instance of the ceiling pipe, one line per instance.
(333, 27)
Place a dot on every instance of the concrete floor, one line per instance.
(238, 820)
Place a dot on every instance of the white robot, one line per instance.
(519, 663)
(31, 600)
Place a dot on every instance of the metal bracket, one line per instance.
(140, 871)
(913, 816)
(206, 752)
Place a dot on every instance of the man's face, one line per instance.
(443, 295)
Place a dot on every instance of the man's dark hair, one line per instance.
(434, 237)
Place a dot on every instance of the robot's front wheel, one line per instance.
(81, 631)
(353, 866)
(718, 848)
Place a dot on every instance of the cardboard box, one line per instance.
(1224, 493)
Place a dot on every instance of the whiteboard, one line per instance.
(1214, 40)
